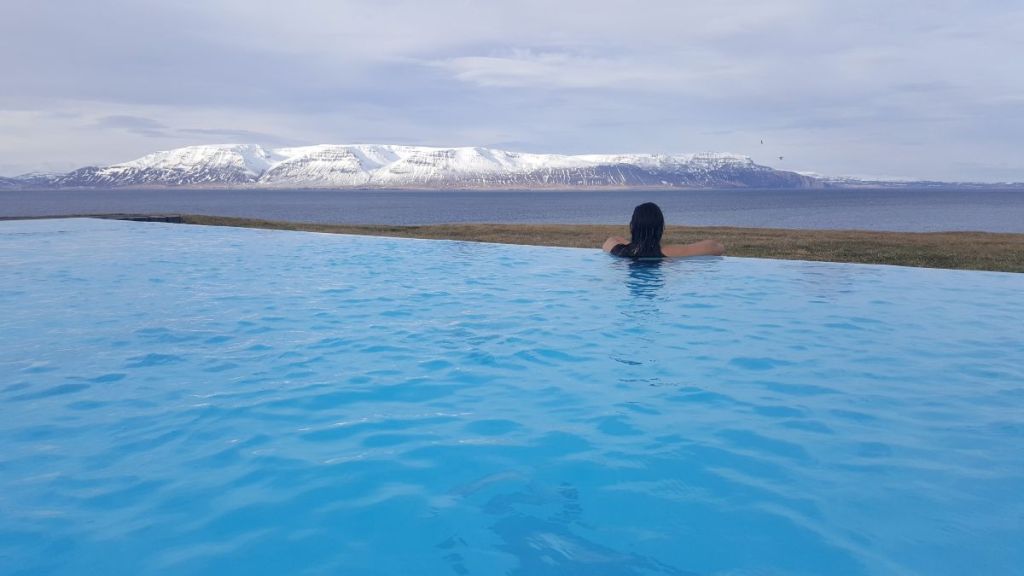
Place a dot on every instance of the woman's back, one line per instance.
(646, 228)
(626, 251)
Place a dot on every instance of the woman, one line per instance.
(645, 228)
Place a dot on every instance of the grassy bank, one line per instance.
(962, 250)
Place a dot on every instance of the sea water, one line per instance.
(195, 400)
(907, 210)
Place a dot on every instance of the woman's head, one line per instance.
(645, 229)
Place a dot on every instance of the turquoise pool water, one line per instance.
(193, 400)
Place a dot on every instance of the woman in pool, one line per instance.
(645, 228)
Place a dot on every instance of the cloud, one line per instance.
(134, 124)
(844, 87)
(552, 70)
(239, 136)
(151, 128)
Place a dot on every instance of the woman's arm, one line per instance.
(702, 248)
(612, 242)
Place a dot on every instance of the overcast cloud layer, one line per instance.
(922, 89)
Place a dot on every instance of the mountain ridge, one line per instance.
(392, 166)
(399, 166)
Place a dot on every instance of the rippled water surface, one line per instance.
(191, 400)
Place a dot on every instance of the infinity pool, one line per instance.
(190, 400)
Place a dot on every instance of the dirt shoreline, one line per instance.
(999, 252)
(954, 250)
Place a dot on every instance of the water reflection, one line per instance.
(542, 527)
(646, 278)
(656, 289)
(640, 313)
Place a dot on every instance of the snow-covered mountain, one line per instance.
(32, 180)
(393, 166)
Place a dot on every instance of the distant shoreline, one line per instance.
(1000, 252)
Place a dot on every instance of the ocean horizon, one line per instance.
(877, 209)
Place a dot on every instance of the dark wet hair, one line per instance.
(646, 227)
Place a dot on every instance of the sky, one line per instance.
(891, 89)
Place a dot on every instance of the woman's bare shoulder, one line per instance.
(702, 248)
(612, 242)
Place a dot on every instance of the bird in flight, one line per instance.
(780, 157)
